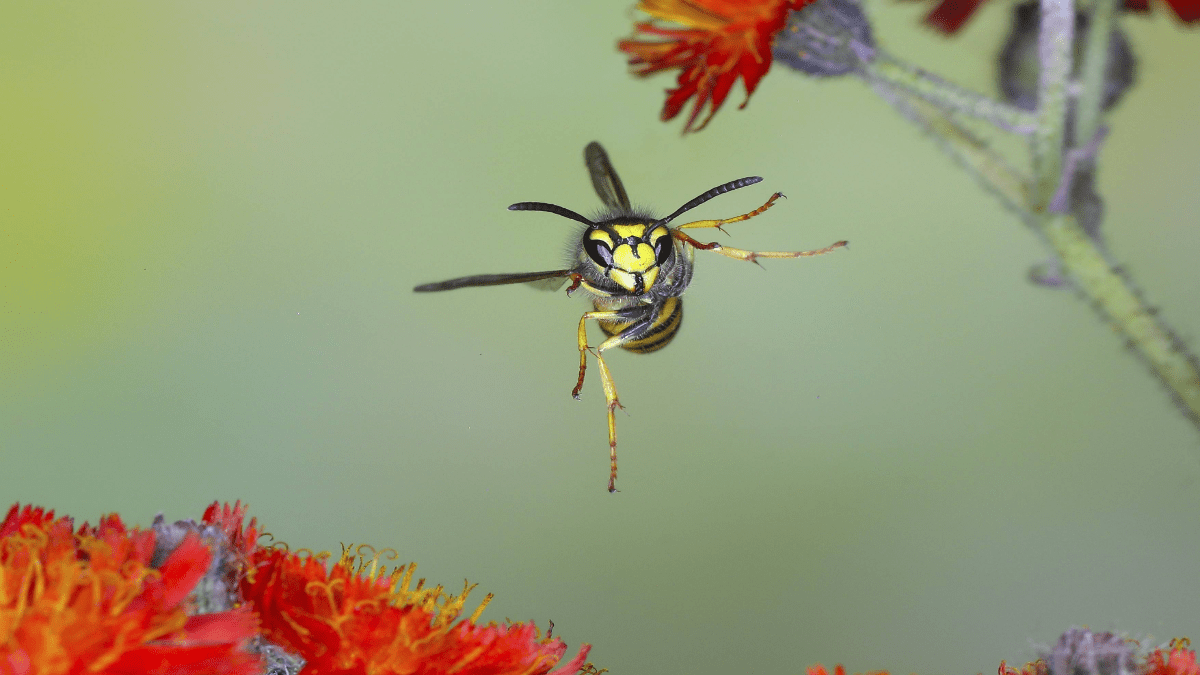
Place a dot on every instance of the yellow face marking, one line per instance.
(624, 279)
(626, 231)
(624, 257)
(602, 236)
(626, 251)
(649, 277)
(656, 234)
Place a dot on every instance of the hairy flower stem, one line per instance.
(1055, 40)
(947, 95)
(1093, 70)
(966, 149)
(1107, 288)
(1043, 201)
(1111, 293)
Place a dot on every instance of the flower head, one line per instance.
(90, 601)
(229, 519)
(839, 669)
(950, 15)
(1179, 660)
(717, 42)
(1037, 667)
(357, 618)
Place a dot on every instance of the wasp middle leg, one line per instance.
(753, 256)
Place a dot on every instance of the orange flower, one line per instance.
(91, 602)
(229, 520)
(1038, 667)
(950, 15)
(720, 41)
(839, 670)
(359, 619)
(1178, 661)
(820, 670)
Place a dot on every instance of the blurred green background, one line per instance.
(900, 456)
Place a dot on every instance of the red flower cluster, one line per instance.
(720, 41)
(89, 601)
(357, 619)
(839, 670)
(92, 602)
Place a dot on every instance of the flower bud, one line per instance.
(825, 38)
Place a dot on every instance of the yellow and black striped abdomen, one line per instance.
(664, 324)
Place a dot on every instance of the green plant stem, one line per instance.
(1055, 39)
(931, 104)
(966, 149)
(1093, 70)
(949, 96)
(1109, 291)
(1112, 295)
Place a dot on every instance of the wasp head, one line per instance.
(631, 253)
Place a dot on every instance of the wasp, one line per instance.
(634, 267)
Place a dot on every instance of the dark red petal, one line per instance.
(752, 76)
(1187, 10)
(950, 15)
(677, 97)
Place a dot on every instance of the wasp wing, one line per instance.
(551, 280)
(604, 177)
(549, 283)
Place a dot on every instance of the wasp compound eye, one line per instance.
(599, 252)
(663, 250)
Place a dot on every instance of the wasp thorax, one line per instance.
(631, 255)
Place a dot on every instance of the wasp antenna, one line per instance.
(550, 208)
(719, 190)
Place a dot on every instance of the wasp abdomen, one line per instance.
(652, 333)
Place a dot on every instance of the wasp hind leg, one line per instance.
(630, 332)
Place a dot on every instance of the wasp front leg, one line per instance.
(630, 332)
(753, 256)
(736, 219)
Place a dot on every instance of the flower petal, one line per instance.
(718, 43)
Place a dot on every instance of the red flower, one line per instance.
(950, 15)
(1038, 667)
(719, 41)
(839, 670)
(1178, 661)
(229, 520)
(358, 619)
(820, 670)
(90, 602)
